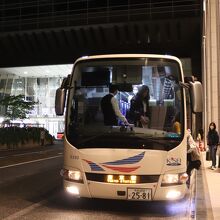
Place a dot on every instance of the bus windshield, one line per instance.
(148, 100)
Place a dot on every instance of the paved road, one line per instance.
(32, 189)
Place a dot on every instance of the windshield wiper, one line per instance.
(151, 140)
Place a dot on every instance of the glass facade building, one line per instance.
(39, 84)
(41, 89)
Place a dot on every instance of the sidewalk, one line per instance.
(208, 191)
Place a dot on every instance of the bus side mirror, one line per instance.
(196, 95)
(60, 101)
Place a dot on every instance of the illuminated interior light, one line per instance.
(173, 194)
(133, 179)
(1, 119)
(72, 190)
(110, 178)
(121, 178)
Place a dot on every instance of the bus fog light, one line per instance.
(72, 190)
(173, 194)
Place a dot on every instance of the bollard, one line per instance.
(219, 161)
(208, 156)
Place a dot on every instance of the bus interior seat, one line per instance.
(170, 115)
(161, 117)
(93, 110)
(158, 117)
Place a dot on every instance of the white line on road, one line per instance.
(32, 161)
(27, 153)
(25, 210)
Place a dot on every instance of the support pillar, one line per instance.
(211, 60)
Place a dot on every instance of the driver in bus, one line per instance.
(110, 108)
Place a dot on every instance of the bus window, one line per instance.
(85, 123)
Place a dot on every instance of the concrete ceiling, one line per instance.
(178, 37)
(59, 35)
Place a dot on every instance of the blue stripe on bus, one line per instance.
(95, 167)
(129, 160)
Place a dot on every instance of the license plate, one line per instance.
(139, 194)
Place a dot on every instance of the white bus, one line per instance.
(118, 161)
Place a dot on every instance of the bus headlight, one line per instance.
(170, 179)
(174, 179)
(74, 175)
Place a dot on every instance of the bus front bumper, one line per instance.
(137, 192)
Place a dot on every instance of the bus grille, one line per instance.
(140, 178)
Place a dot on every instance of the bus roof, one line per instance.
(128, 56)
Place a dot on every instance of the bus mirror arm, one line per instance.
(65, 83)
(184, 85)
(188, 80)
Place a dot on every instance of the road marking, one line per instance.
(25, 210)
(27, 153)
(32, 161)
(16, 155)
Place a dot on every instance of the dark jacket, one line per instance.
(108, 111)
(213, 138)
(137, 109)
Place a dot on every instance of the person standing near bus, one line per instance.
(193, 155)
(110, 108)
(139, 110)
(212, 141)
(42, 136)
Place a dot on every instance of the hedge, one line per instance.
(14, 136)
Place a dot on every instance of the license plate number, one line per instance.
(139, 194)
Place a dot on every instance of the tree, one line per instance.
(16, 107)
